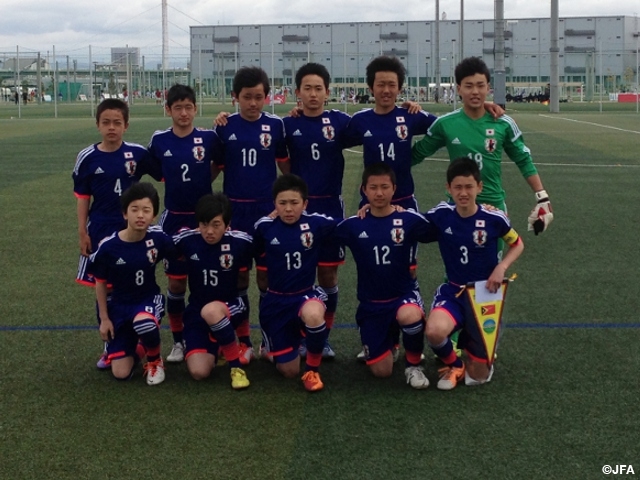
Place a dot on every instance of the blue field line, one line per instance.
(342, 326)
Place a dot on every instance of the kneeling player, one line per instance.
(468, 237)
(127, 260)
(383, 245)
(214, 256)
(288, 247)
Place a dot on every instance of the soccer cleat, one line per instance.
(471, 382)
(327, 352)
(177, 353)
(103, 362)
(246, 354)
(302, 349)
(264, 354)
(449, 377)
(362, 356)
(416, 377)
(239, 379)
(312, 382)
(154, 371)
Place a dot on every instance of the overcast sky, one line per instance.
(72, 25)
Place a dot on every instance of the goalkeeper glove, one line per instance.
(542, 214)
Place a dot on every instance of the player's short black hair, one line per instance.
(211, 205)
(113, 104)
(378, 168)
(249, 77)
(289, 181)
(179, 92)
(469, 67)
(385, 64)
(313, 69)
(463, 167)
(138, 191)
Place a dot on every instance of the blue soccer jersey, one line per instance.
(250, 153)
(290, 252)
(213, 269)
(469, 246)
(105, 175)
(383, 249)
(315, 150)
(185, 165)
(131, 266)
(387, 138)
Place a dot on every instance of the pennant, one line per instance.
(488, 317)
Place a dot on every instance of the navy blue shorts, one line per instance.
(461, 314)
(281, 324)
(125, 339)
(378, 325)
(97, 232)
(246, 214)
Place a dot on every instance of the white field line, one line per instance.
(591, 123)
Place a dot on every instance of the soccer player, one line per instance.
(215, 256)
(183, 156)
(471, 132)
(315, 140)
(467, 235)
(383, 245)
(386, 131)
(127, 260)
(102, 172)
(253, 144)
(288, 247)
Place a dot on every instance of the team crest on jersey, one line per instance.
(329, 132)
(130, 166)
(198, 153)
(397, 235)
(226, 260)
(490, 144)
(480, 237)
(152, 255)
(265, 139)
(402, 131)
(307, 239)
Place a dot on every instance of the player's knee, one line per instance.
(437, 331)
(177, 285)
(289, 370)
(122, 370)
(199, 372)
(213, 312)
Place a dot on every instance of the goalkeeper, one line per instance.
(473, 133)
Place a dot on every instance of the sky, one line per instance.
(72, 25)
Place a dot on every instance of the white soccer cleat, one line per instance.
(416, 377)
(154, 371)
(177, 353)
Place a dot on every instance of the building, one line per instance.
(119, 57)
(593, 50)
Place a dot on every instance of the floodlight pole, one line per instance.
(18, 80)
(554, 52)
(499, 85)
(436, 53)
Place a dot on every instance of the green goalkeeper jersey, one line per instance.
(482, 140)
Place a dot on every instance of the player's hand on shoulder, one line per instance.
(221, 119)
(362, 211)
(295, 112)
(490, 208)
(541, 215)
(494, 109)
(412, 107)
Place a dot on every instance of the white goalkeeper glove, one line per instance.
(542, 214)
